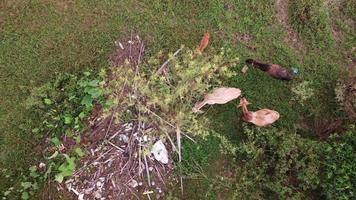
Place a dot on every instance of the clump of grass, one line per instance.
(348, 9)
(311, 20)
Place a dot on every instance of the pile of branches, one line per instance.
(131, 144)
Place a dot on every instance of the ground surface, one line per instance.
(41, 37)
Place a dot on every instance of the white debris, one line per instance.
(81, 197)
(122, 47)
(133, 183)
(123, 138)
(75, 191)
(41, 165)
(88, 191)
(160, 152)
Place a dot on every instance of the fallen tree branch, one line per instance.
(163, 67)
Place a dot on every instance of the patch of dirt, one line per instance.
(293, 37)
(338, 35)
(244, 38)
(131, 50)
(60, 6)
(324, 128)
(228, 6)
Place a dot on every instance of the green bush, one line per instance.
(276, 164)
(62, 107)
(167, 100)
(339, 175)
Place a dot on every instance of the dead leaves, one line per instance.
(218, 96)
(204, 42)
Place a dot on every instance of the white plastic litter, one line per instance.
(160, 153)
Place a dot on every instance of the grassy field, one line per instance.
(41, 37)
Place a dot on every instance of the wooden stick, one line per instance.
(160, 70)
(147, 171)
(169, 124)
(115, 146)
(179, 144)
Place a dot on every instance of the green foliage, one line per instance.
(276, 164)
(59, 104)
(303, 92)
(65, 102)
(311, 19)
(65, 169)
(339, 165)
(35, 47)
(168, 99)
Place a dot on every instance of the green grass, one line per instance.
(41, 37)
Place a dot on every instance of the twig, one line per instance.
(111, 119)
(148, 195)
(139, 145)
(112, 137)
(115, 110)
(160, 70)
(170, 140)
(132, 192)
(169, 124)
(115, 146)
(179, 144)
(130, 47)
(147, 171)
(181, 184)
(159, 175)
(179, 155)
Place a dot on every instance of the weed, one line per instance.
(338, 180)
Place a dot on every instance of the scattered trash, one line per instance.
(218, 96)
(81, 197)
(133, 183)
(41, 165)
(160, 153)
(244, 69)
(124, 138)
(147, 192)
(295, 70)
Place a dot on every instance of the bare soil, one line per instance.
(293, 38)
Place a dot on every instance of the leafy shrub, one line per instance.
(303, 92)
(167, 100)
(276, 164)
(339, 177)
(62, 106)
